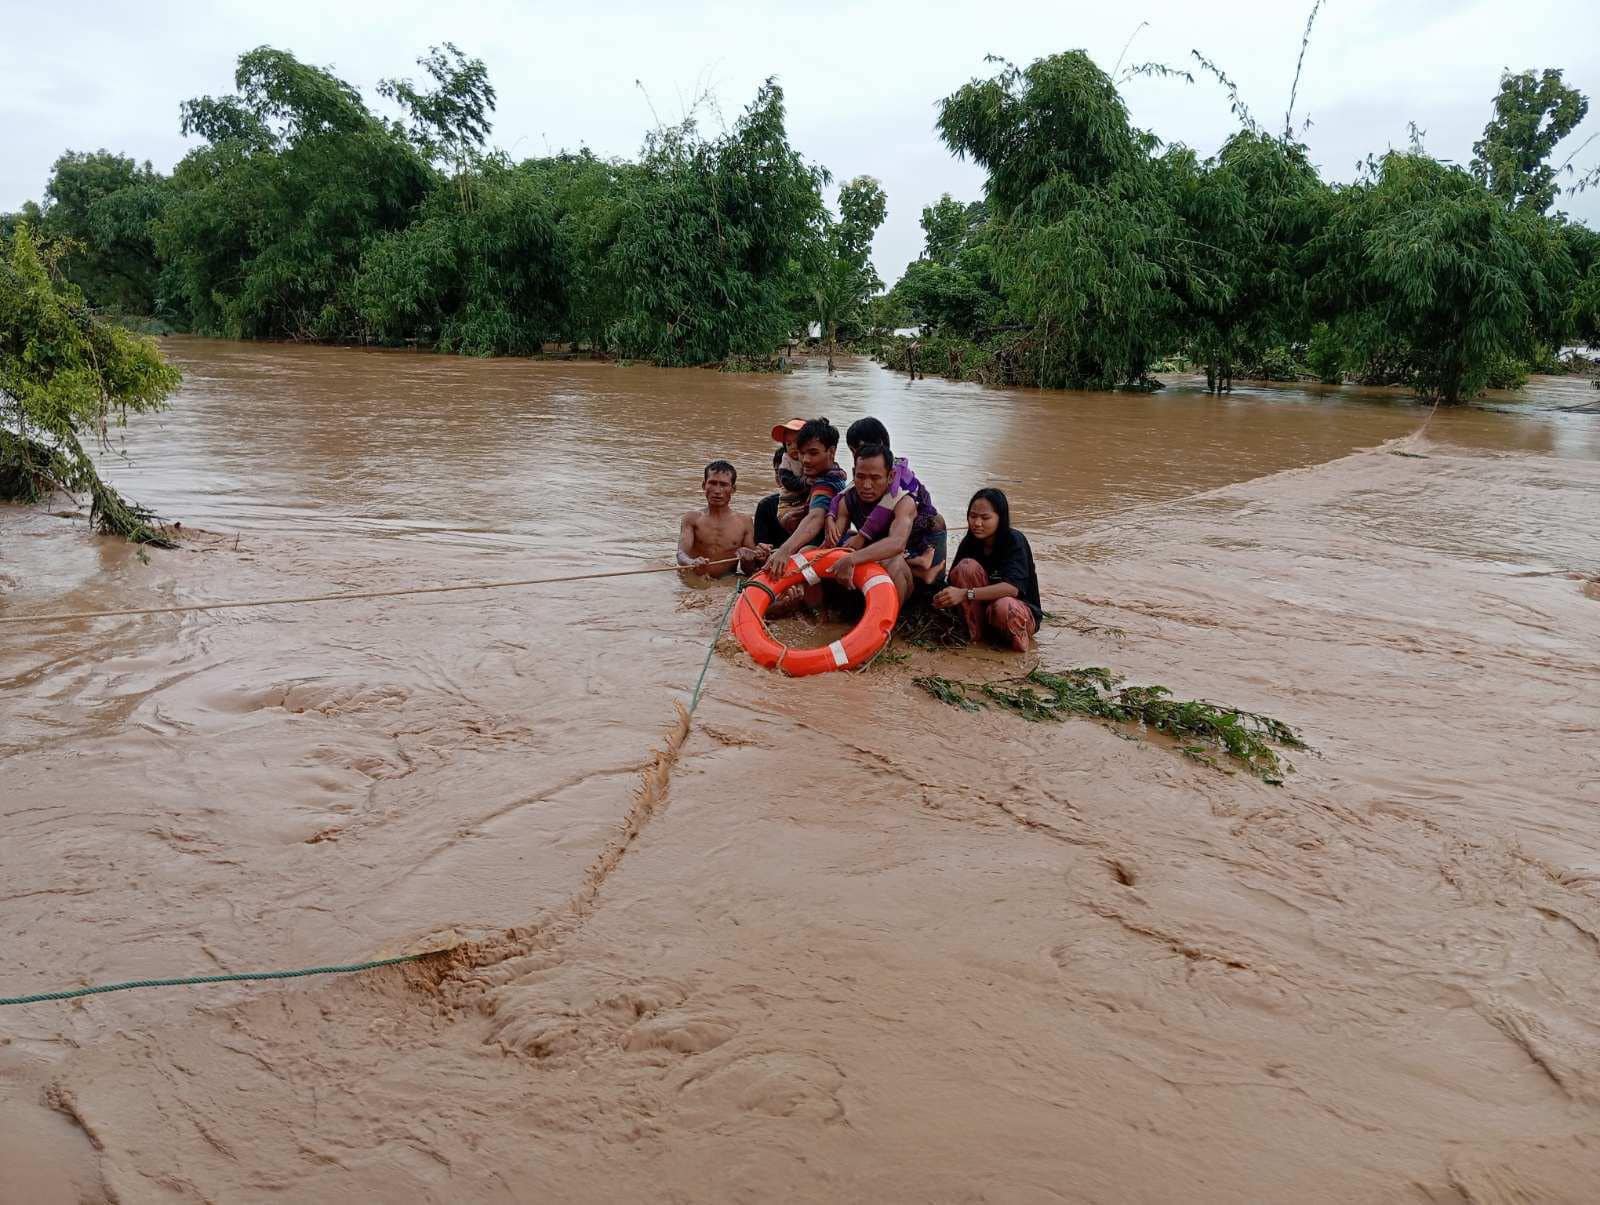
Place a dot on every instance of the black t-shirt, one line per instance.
(1010, 561)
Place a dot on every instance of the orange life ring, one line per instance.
(856, 647)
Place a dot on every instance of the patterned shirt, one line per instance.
(901, 482)
(826, 488)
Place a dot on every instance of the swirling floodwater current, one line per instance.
(861, 945)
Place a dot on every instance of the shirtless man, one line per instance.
(717, 534)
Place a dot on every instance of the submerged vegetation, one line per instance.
(304, 214)
(1201, 729)
(1099, 252)
(65, 380)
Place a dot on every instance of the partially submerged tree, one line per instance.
(588, 198)
(714, 240)
(65, 379)
(484, 280)
(1250, 213)
(106, 205)
(270, 218)
(1086, 249)
(1422, 258)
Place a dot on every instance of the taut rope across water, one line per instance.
(349, 597)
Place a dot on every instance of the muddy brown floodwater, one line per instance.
(866, 946)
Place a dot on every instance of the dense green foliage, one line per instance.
(714, 241)
(305, 214)
(952, 285)
(105, 204)
(1088, 265)
(270, 218)
(478, 272)
(1251, 212)
(65, 378)
(1423, 265)
(1096, 255)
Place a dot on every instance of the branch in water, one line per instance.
(1202, 728)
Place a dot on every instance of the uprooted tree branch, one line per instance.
(65, 379)
(1200, 728)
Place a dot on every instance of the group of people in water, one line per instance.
(882, 513)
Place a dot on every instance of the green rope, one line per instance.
(349, 968)
(738, 589)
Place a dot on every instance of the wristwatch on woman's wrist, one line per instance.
(970, 594)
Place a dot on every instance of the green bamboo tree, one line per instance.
(1424, 257)
(1088, 249)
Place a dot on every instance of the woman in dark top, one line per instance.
(992, 578)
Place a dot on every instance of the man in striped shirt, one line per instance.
(817, 444)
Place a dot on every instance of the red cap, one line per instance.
(782, 431)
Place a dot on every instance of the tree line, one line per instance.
(1096, 255)
(303, 214)
(1098, 252)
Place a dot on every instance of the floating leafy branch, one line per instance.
(1201, 728)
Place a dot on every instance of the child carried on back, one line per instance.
(794, 493)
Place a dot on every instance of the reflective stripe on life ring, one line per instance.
(806, 571)
(856, 647)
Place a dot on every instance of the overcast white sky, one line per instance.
(861, 80)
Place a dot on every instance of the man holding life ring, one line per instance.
(874, 468)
